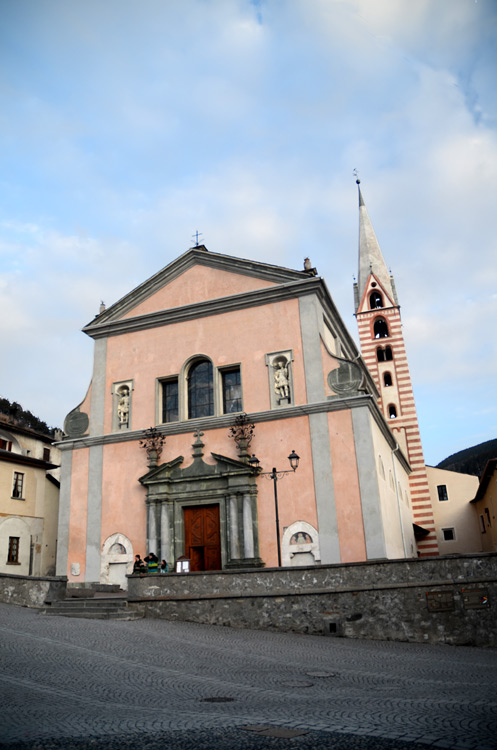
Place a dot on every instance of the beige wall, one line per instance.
(33, 519)
(455, 513)
(393, 486)
(486, 512)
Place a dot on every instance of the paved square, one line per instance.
(72, 683)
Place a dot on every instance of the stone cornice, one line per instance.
(225, 421)
(204, 309)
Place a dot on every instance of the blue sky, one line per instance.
(126, 126)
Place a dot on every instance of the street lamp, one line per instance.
(275, 475)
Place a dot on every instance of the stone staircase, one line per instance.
(86, 604)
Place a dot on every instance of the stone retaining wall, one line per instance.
(31, 591)
(434, 600)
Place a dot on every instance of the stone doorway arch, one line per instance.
(117, 560)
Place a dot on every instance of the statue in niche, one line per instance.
(281, 382)
(123, 407)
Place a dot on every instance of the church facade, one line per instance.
(207, 339)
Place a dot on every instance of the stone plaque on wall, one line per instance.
(475, 598)
(440, 601)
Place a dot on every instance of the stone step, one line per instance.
(97, 609)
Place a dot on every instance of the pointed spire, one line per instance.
(370, 256)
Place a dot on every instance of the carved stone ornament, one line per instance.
(76, 423)
(345, 379)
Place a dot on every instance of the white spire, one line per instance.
(370, 256)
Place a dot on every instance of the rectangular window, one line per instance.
(449, 535)
(442, 492)
(232, 390)
(5, 445)
(46, 454)
(487, 513)
(13, 555)
(170, 400)
(18, 485)
(482, 525)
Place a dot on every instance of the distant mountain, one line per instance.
(471, 460)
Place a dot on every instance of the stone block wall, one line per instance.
(31, 591)
(448, 600)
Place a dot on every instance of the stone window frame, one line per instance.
(182, 379)
(18, 485)
(451, 529)
(271, 359)
(116, 391)
(443, 495)
(13, 550)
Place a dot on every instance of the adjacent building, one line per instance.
(455, 517)
(485, 505)
(29, 500)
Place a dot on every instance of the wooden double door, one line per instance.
(202, 537)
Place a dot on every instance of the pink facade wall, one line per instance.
(79, 504)
(123, 497)
(197, 284)
(346, 486)
(241, 336)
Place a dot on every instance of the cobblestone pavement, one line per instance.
(72, 683)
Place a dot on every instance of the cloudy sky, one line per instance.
(126, 126)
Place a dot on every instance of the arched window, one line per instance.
(200, 390)
(375, 300)
(392, 411)
(380, 354)
(380, 329)
(387, 379)
(388, 354)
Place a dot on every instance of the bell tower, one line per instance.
(382, 344)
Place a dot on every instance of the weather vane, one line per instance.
(196, 236)
(356, 175)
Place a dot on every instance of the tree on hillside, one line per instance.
(23, 418)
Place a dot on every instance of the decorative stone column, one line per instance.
(166, 551)
(234, 529)
(248, 528)
(152, 540)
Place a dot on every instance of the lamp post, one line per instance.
(275, 475)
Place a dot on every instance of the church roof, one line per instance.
(371, 259)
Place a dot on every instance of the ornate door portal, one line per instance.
(202, 537)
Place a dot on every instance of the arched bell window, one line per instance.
(380, 329)
(387, 379)
(375, 301)
(392, 411)
(200, 389)
(384, 354)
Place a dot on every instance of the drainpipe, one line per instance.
(397, 448)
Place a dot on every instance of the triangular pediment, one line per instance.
(373, 284)
(171, 471)
(196, 276)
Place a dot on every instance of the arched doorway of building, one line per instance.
(202, 537)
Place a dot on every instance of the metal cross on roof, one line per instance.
(196, 236)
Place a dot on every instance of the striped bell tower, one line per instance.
(383, 349)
